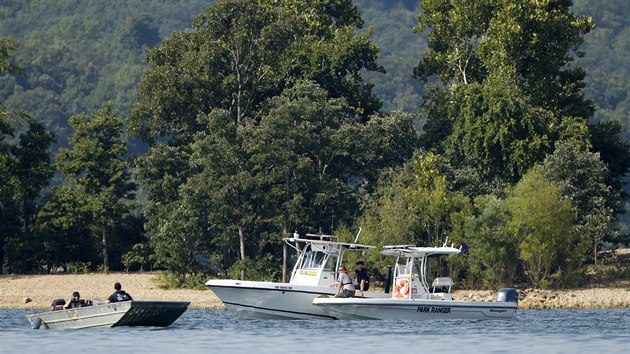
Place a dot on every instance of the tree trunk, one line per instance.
(285, 256)
(105, 254)
(241, 238)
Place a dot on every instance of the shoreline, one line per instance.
(31, 292)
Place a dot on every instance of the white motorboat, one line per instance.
(413, 299)
(314, 274)
(127, 313)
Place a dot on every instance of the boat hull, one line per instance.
(128, 313)
(268, 300)
(415, 309)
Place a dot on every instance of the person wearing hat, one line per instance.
(119, 294)
(75, 301)
(363, 279)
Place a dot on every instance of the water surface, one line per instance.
(212, 331)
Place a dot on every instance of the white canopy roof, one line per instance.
(412, 251)
(326, 240)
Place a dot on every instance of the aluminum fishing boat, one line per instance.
(413, 299)
(314, 274)
(127, 313)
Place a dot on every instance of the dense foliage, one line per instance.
(499, 124)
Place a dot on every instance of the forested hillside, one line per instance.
(75, 54)
(193, 135)
(108, 41)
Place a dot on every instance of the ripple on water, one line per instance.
(547, 331)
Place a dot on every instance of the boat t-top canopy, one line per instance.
(319, 257)
(324, 240)
(405, 274)
(410, 251)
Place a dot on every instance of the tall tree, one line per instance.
(97, 169)
(32, 169)
(8, 210)
(483, 229)
(581, 177)
(239, 54)
(541, 220)
(304, 150)
(507, 87)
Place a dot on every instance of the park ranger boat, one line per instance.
(100, 314)
(314, 274)
(413, 299)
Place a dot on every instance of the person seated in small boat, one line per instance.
(75, 301)
(119, 294)
(345, 288)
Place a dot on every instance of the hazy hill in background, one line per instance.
(78, 54)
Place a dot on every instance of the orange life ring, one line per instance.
(402, 289)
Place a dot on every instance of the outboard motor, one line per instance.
(507, 295)
(57, 304)
(37, 323)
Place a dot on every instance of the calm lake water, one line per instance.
(209, 331)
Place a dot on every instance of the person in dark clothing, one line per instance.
(363, 279)
(75, 302)
(119, 295)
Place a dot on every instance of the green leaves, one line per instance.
(541, 219)
(97, 169)
(509, 94)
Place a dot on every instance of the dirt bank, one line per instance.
(42, 289)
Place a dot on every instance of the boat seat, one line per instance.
(441, 285)
(442, 281)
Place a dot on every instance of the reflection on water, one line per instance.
(544, 331)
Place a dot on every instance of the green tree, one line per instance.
(31, 169)
(581, 177)
(7, 48)
(97, 169)
(541, 221)
(484, 229)
(207, 85)
(304, 149)
(506, 87)
(8, 203)
(413, 204)
(613, 151)
(63, 227)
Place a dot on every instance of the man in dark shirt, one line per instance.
(363, 279)
(119, 295)
(75, 301)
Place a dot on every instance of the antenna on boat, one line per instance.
(445, 242)
(358, 233)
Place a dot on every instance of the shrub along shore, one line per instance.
(37, 292)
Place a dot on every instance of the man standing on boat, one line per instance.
(363, 279)
(345, 288)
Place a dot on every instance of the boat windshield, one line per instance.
(313, 260)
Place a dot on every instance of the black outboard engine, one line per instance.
(57, 304)
(507, 295)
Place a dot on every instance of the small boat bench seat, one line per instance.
(442, 281)
(441, 288)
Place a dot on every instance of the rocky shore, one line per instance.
(37, 292)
